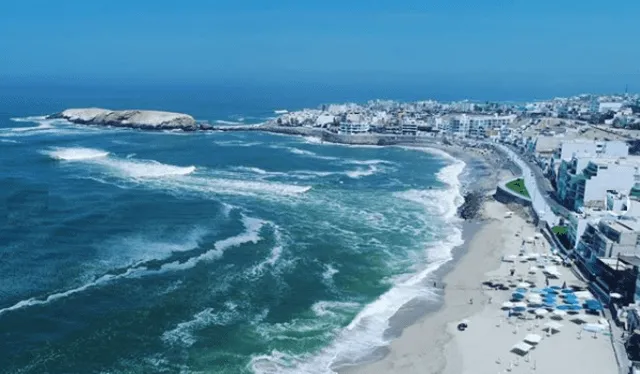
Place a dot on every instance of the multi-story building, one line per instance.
(476, 126)
(584, 181)
(592, 148)
(350, 128)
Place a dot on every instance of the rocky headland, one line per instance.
(139, 119)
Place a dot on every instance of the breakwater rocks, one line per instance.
(472, 206)
(139, 119)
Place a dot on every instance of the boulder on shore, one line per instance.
(142, 119)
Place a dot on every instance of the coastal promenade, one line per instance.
(540, 200)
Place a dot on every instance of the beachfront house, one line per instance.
(351, 128)
(584, 181)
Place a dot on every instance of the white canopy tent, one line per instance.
(533, 339)
(521, 348)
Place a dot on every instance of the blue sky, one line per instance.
(569, 45)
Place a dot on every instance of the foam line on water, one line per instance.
(366, 332)
(174, 178)
(251, 234)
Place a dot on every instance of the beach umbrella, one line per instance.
(507, 305)
(564, 307)
(567, 291)
(559, 313)
(519, 309)
(524, 286)
(533, 270)
(573, 307)
(615, 295)
(522, 290)
(556, 287)
(571, 301)
(519, 304)
(550, 290)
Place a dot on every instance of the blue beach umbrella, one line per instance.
(572, 302)
(570, 297)
(521, 290)
(519, 309)
(556, 287)
(573, 307)
(567, 291)
(517, 295)
(550, 290)
(564, 307)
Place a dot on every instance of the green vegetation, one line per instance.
(518, 187)
(559, 230)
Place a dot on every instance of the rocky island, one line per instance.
(139, 119)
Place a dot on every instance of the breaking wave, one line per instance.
(251, 234)
(366, 332)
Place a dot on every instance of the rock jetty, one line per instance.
(139, 119)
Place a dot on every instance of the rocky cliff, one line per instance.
(142, 119)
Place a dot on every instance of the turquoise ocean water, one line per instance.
(124, 251)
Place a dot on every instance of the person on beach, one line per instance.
(471, 300)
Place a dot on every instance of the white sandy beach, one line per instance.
(434, 345)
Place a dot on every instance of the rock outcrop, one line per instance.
(140, 119)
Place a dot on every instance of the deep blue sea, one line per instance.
(124, 251)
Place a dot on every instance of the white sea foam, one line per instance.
(323, 308)
(366, 332)
(305, 153)
(11, 141)
(132, 250)
(312, 140)
(76, 154)
(250, 235)
(225, 122)
(127, 167)
(183, 333)
(359, 173)
(235, 143)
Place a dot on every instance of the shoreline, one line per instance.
(461, 278)
(480, 174)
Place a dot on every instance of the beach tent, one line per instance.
(583, 294)
(529, 239)
(538, 235)
(615, 295)
(521, 348)
(552, 327)
(579, 319)
(541, 312)
(533, 270)
(532, 339)
(594, 327)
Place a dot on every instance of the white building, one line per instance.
(476, 126)
(585, 181)
(593, 148)
(609, 106)
(349, 128)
